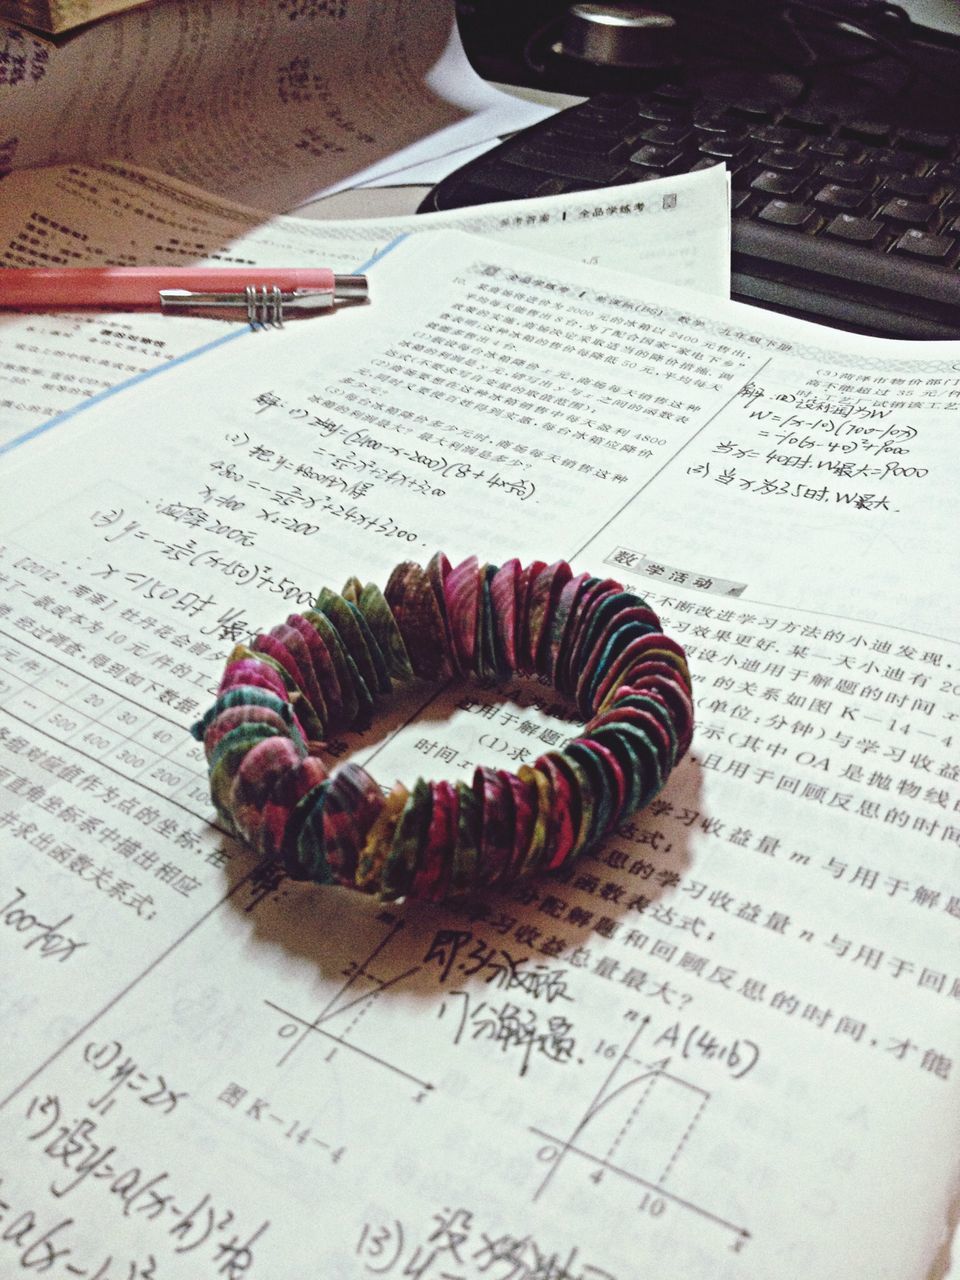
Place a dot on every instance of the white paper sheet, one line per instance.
(675, 230)
(726, 1045)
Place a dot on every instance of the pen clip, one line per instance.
(263, 304)
(267, 304)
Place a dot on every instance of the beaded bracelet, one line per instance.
(322, 671)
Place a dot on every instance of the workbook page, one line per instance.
(674, 229)
(270, 102)
(721, 1045)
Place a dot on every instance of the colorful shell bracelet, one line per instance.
(323, 671)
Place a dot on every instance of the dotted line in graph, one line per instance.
(633, 1114)
(683, 1141)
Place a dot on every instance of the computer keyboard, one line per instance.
(853, 222)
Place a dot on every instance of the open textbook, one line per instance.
(674, 229)
(725, 1045)
(265, 101)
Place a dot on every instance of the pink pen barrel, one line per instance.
(37, 288)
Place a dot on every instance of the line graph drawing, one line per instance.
(346, 1009)
(635, 1131)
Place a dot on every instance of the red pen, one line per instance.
(266, 294)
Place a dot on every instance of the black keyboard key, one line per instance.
(867, 131)
(720, 109)
(929, 187)
(580, 120)
(849, 173)
(774, 136)
(667, 134)
(909, 213)
(675, 93)
(924, 244)
(837, 199)
(595, 169)
(589, 144)
(807, 120)
(711, 121)
(592, 124)
(855, 230)
(724, 146)
(777, 184)
(787, 213)
(748, 109)
(649, 156)
(889, 160)
(656, 112)
(835, 148)
(785, 160)
(582, 132)
(921, 140)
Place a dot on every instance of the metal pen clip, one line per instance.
(267, 304)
